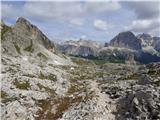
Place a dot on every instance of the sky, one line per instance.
(91, 20)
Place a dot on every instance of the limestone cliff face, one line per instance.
(146, 39)
(156, 43)
(126, 40)
(24, 37)
(81, 47)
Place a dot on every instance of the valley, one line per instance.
(42, 82)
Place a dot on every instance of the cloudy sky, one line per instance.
(99, 21)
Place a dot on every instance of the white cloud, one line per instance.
(103, 25)
(102, 6)
(144, 9)
(100, 24)
(56, 10)
(147, 26)
(7, 11)
(83, 37)
(77, 21)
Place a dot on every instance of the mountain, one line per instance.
(143, 48)
(81, 47)
(124, 47)
(25, 39)
(126, 40)
(156, 43)
(30, 72)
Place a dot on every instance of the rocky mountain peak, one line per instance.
(26, 36)
(146, 39)
(126, 40)
(22, 20)
(144, 35)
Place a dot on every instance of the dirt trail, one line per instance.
(104, 104)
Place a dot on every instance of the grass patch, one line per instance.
(75, 88)
(134, 76)
(18, 49)
(3, 95)
(42, 56)
(24, 86)
(30, 47)
(99, 62)
(51, 92)
(62, 105)
(99, 74)
(48, 77)
(81, 61)
(4, 30)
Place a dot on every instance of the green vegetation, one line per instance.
(48, 77)
(3, 94)
(24, 86)
(42, 56)
(117, 61)
(30, 47)
(18, 49)
(99, 62)
(81, 61)
(51, 92)
(134, 76)
(99, 74)
(75, 88)
(62, 104)
(4, 30)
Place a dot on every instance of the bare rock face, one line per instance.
(156, 43)
(146, 39)
(24, 37)
(80, 48)
(149, 43)
(126, 40)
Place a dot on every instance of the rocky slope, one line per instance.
(39, 83)
(29, 71)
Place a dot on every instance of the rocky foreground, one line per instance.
(39, 83)
(87, 90)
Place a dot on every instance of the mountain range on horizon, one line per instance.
(139, 47)
(124, 46)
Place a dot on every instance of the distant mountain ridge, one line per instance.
(80, 47)
(23, 38)
(124, 46)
